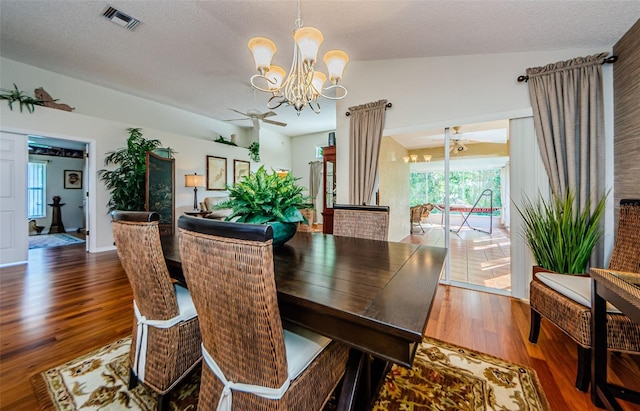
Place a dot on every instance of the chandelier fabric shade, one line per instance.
(303, 84)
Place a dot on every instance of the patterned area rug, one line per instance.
(444, 377)
(449, 377)
(52, 240)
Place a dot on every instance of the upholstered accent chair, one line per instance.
(565, 300)
(209, 205)
(251, 361)
(361, 221)
(165, 343)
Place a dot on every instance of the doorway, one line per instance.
(460, 175)
(57, 192)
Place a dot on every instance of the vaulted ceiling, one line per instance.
(193, 54)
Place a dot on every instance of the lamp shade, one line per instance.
(318, 80)
(427, 157)
(193, 180)
(275, 75)
(414, 157)
(308, 40)
(263, 50)
(335, 60)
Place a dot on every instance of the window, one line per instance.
(466, 187)
(36, 189)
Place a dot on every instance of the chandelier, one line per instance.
(304, 84)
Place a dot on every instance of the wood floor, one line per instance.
(66, 302)
(477, 257)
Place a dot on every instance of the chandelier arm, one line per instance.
(266, 90)
(337, 87)
(275, 98)
(315, 110)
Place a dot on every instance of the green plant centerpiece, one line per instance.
(561, 237)
(267, 198)
(127, 182)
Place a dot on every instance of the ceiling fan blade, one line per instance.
(268, 114)
(239, 112)
(236, 119)
(277, 123)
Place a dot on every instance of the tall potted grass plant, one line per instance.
(561, 237)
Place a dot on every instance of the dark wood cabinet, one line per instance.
(329, 184)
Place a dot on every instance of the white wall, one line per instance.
(97, 101)
(185, 132)
(275, 150)
(429, 93)
(394, 187)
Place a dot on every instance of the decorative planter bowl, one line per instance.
(282, 232)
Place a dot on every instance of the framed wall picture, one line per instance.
(72, 179)
(241, 169)
(216, 173)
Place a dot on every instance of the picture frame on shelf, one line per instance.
(216, 173)
(72, 179)
(241, 169)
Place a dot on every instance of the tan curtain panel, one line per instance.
(315, 177)
(568, 113)
(365, 133)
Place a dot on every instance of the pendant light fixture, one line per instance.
(304, 84)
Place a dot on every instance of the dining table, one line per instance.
(374, 296)
(622, 289)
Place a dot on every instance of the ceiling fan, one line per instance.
(256, 116)
(457, 146)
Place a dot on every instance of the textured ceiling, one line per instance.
(193, 54)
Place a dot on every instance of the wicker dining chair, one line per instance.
(249, 358)
(415, 217)
(165, 343)
(426, 211)
(361, 221)
(308, 214)
(566, 300)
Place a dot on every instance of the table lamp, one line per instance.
(194, 180)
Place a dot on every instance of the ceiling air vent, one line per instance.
(120, 18)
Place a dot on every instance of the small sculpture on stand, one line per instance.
(56, 217)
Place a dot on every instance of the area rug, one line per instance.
(98, 381)
(52, 240)
(444, 377)
(448, 377)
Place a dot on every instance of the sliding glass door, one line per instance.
(463, 172)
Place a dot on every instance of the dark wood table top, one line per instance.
(373, 295)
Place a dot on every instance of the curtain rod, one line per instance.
(389, 105)
(611, 59)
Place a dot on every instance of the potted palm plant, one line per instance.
(267, 198)
(560, 237)
(127, 181)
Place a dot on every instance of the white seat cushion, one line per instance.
(185, 303)
(576, 288)
(302, 347)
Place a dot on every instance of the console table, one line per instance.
(622, 290)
